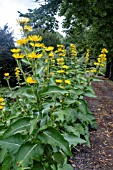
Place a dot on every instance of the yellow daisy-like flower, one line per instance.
(50, 48)
(23, 20)
(1, 107)
(96, 64)
(18, 56)
(15, 50)
(58, 81)
(104, 50)
(2, 104)
(33, 55)
(60, 59)
(40, 45)
(1, 99)
(30, 80)
(65, 66)
(93, 71)
(67, 81)
(6, 74)
(35, 38)
(22, 41)
(51, 54)
(61, 71)
(27, 27)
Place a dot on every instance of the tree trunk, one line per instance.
(108, 68)
(111, 70)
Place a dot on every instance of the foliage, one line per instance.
(47, 115)
(6, 60)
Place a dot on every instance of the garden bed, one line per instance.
(100, 155)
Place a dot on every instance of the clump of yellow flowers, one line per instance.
(101, 58)
(2, 103)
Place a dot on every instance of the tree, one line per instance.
(44, 16)
(88, 22)
(7, 62)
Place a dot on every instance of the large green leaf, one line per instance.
(54, 138)
(73, 140)
(89, 94)
(59, 157)
(71, 130)
(6, 165)
(11, 143)
(3, 153)
(56, 90)
(28, 152)
(66, 167)
(17, 127)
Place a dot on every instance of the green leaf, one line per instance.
(56, 90)
(28, 152)
(17, 127)
(59, 157)
(54, 138)
(90, 94)
(3, 153)
(11, 143)
(25, 61)
(71, 130)
(73, 140)
(97, 79)
(66, 167)
(6, 165)
(33, 124)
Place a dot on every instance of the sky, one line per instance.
(9, 14)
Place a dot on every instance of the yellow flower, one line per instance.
(34, 38)
(46, 60)
(32, 44)
(23, 20)
(1, 99)
(61, 71)
(60, 59)
(30, 80)
(40, 45)
(17, 55)
(27, 27)
(33, 55)
(67, 82)
(50, 48)
(1, 107)
(6, 74)
(17, 68)
(15, 50)
(51, 54)
(65, 66)
(104, 50)
(58, 81)
(93, 71)
(61, 101)
(52, 60)
(2, 104)
(22, 41)
(51, 73)
(96, 64)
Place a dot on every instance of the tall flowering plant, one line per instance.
(46, 115)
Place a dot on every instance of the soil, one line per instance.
(100, 155)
